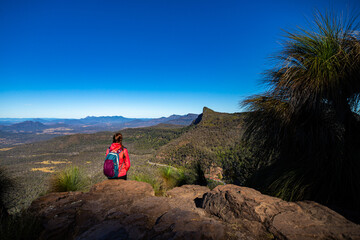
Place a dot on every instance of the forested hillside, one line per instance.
(213, 141)
(211, 133)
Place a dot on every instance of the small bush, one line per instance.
(69, 179)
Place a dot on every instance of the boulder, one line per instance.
(185, 197)
(262, 214)
(185, 224)
(66, 215)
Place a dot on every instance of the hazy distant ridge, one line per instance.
(100, 119)
(13, 132)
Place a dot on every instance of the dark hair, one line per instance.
(117, 138)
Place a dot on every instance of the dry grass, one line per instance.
(5, 149)
(48, 162)
(44, 169)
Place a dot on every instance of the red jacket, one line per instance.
(123, 158)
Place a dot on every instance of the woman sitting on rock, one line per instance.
(117, 161)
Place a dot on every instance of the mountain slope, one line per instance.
(27, 126)
(210, 133)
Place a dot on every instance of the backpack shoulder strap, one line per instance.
(121, 149)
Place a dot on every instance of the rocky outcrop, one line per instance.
(118, 209)
(260, 213)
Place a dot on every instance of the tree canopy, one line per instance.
(306, 126)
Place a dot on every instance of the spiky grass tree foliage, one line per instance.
(307, 124)
(69, 179)
(172, 177)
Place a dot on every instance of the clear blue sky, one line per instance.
(149, 58)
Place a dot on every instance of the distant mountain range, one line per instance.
(95, 120)
(15, 131)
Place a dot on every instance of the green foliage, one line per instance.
(172, 177)
(20, 226)
(69, 179)
(306, 126)
(166, 178)
(237, 163)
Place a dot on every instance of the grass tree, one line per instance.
(69, 179)
(306, 126)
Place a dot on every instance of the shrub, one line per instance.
(237, 163)
(69, 179)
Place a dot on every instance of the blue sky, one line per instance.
(150, 58)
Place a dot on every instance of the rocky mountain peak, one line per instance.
(211, 118)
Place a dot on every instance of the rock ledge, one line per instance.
(119, 209)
